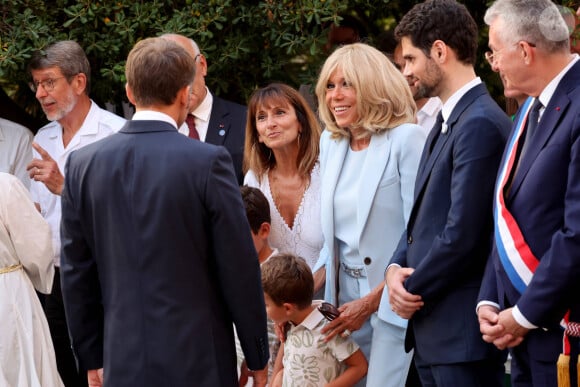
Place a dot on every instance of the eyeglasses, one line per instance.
(329, 311)
(492, 56)
(47, 84)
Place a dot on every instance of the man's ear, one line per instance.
(439, 51)
(527, 51)
(79, 83)
(202, 68)
(129, 93)
(184, 96)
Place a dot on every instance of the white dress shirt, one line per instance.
(427, 115)
(98, 124)
(202, 115)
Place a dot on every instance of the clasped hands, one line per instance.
(500, 328)
(403, 303)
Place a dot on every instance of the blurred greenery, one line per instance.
(248, 43)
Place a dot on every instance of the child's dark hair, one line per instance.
(257, 207)
(287, 278)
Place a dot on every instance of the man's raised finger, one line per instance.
(44, 154)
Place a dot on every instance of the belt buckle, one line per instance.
(355, 273)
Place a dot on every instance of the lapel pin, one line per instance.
(444, 128)
(222, 132)
(557, 108)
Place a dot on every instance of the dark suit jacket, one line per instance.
(448, 235)
(158, 261)
(227, 127)
(545, 202)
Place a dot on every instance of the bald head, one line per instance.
(188, 44)
(199, 90)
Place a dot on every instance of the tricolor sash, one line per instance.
(515, 255)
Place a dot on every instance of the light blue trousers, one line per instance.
(382, 343)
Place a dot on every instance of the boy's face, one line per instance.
(276, 313)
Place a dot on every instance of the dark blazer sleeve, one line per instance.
(237, 264)
(488, 290)
(457, 250)
(400, 255)
(79, 272)
(556, 221)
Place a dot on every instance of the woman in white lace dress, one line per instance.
(26, 350)
(281, 159)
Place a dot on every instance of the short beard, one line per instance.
(69, 105)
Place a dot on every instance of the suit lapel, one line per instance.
(334, 160)
(428, 162)
(374, 166)
(553, 113)
(219, 123)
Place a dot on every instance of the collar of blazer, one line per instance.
(427, 165)
(142, 126)
(554, 112)
(378, 154)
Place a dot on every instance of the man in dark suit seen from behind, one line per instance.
(158, 263)
(436, 270)
(217, 121)
(532, 280)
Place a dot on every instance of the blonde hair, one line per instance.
(383, 97)
(257, 156)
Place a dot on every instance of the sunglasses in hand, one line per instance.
(329, 311)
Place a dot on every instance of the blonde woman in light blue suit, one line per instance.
(369, 154)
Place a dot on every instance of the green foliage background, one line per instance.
(247, 43)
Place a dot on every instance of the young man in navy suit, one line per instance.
(217, 121)
(158, 263)
(532, 279)
(436, 270)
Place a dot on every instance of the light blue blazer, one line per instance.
(385, 201)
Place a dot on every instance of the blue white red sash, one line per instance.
(515, 255)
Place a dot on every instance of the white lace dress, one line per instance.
(305, 237)
(26, 351)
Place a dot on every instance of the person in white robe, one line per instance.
(26, 351)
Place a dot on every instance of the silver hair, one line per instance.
(68, 56)
(536, 21)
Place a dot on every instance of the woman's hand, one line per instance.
(352, 317)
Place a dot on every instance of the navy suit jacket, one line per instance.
(545, 201)
(227, 127)
(448, 235)
(158, 261)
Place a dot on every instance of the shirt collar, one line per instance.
(313, 319)
(151, 115)
(456, 97)
(431, 107)
(550, 89)
(203, 111)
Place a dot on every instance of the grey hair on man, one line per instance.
(68, 56)
(538, 22)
